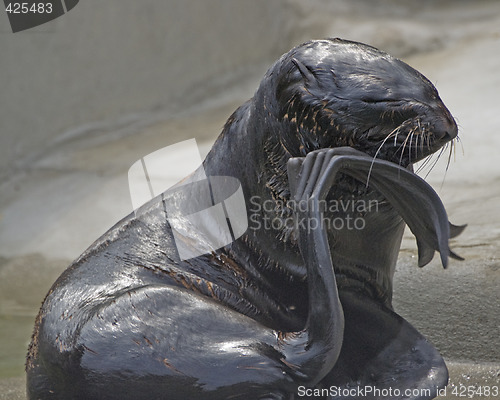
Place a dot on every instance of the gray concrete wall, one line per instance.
(107, 69)
(104, 60)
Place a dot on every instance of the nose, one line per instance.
(451, 131)
(446, 127)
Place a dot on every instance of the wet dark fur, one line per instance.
(129, 320)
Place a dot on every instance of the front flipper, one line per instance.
(414, 199)
(313, 352)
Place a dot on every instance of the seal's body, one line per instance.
(279, 311)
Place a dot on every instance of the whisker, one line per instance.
(461, 144)
(448, 161)
(437, 159)
(394, 132)
(452, 151)
(430, 160)
(422, 140)
(426, 162)
(409, 148)
(404, 146)
(452, 147)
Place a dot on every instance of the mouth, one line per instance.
(410, 142)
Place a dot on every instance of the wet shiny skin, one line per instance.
(264, 315)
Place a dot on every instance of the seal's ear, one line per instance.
(312, 84)
(307, 75)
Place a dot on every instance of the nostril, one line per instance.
(449, 135)
(446, 124)
(449, 129)
(452, 130)
(453, 133)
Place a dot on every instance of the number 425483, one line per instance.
(26, 8)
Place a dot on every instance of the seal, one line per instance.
(299, 308)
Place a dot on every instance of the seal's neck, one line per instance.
(244, 151)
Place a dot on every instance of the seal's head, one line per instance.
(329, 94)
(334, 93)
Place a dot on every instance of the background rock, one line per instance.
(86, 95)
